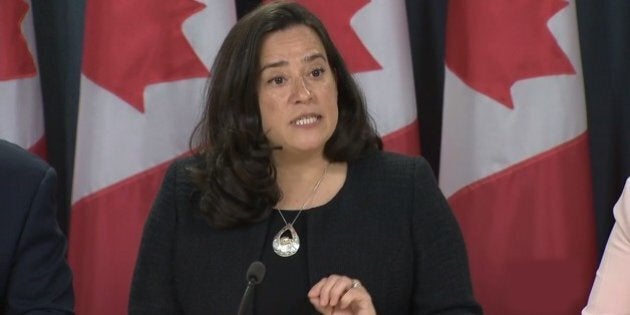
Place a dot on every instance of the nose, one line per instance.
(301, 92)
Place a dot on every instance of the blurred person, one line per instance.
(34, 274)
(611, 290)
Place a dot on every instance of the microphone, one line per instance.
(255, 275)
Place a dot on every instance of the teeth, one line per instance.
(306, 120)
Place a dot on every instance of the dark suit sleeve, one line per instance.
(41, 280)
(442, 280)
(152, 288)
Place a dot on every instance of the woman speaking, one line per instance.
(288, 170)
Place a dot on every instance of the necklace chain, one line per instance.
(309, 199)
(286, 246)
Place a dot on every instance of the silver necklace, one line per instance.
(288, 245)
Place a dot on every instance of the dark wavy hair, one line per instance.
(237, 178)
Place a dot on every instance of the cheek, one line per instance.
(334, 102)
(268, 111)
(262, 109)
(264, 116)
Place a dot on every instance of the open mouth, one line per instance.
(306, 120)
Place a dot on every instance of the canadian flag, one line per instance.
(514, 160)
(145, 65)
(373, 38)
(21, 110)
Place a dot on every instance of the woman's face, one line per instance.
(297, 92)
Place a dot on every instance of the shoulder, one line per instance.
(622, 208)
(178, 179)
(394, 175)
(181, 168)
(23, 175)
(19, 164)
(392, 166)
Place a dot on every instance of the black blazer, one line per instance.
(388, 226)
(34, 275)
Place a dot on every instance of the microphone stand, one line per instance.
(255, 274)
(246, 300)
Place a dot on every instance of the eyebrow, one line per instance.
(274, 65)
(312, 57)
(309, 58)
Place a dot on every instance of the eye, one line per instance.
(317, 72)
(276, 80)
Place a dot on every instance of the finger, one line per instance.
(324, 294)
(320, 309)
(356, 298)
(316, 289)
(314, 296)
(341, 286)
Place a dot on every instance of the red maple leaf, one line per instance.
(16, 60)
(336, 16)
(130, 44)
(491, 44)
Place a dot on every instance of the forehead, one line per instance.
(293, 42)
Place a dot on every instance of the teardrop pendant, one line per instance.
(286, 246)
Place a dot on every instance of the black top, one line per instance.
(284, 288)
(390, 227)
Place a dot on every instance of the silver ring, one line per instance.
(355, 284)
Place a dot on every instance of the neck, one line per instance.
(297, 181)
(299, 169)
